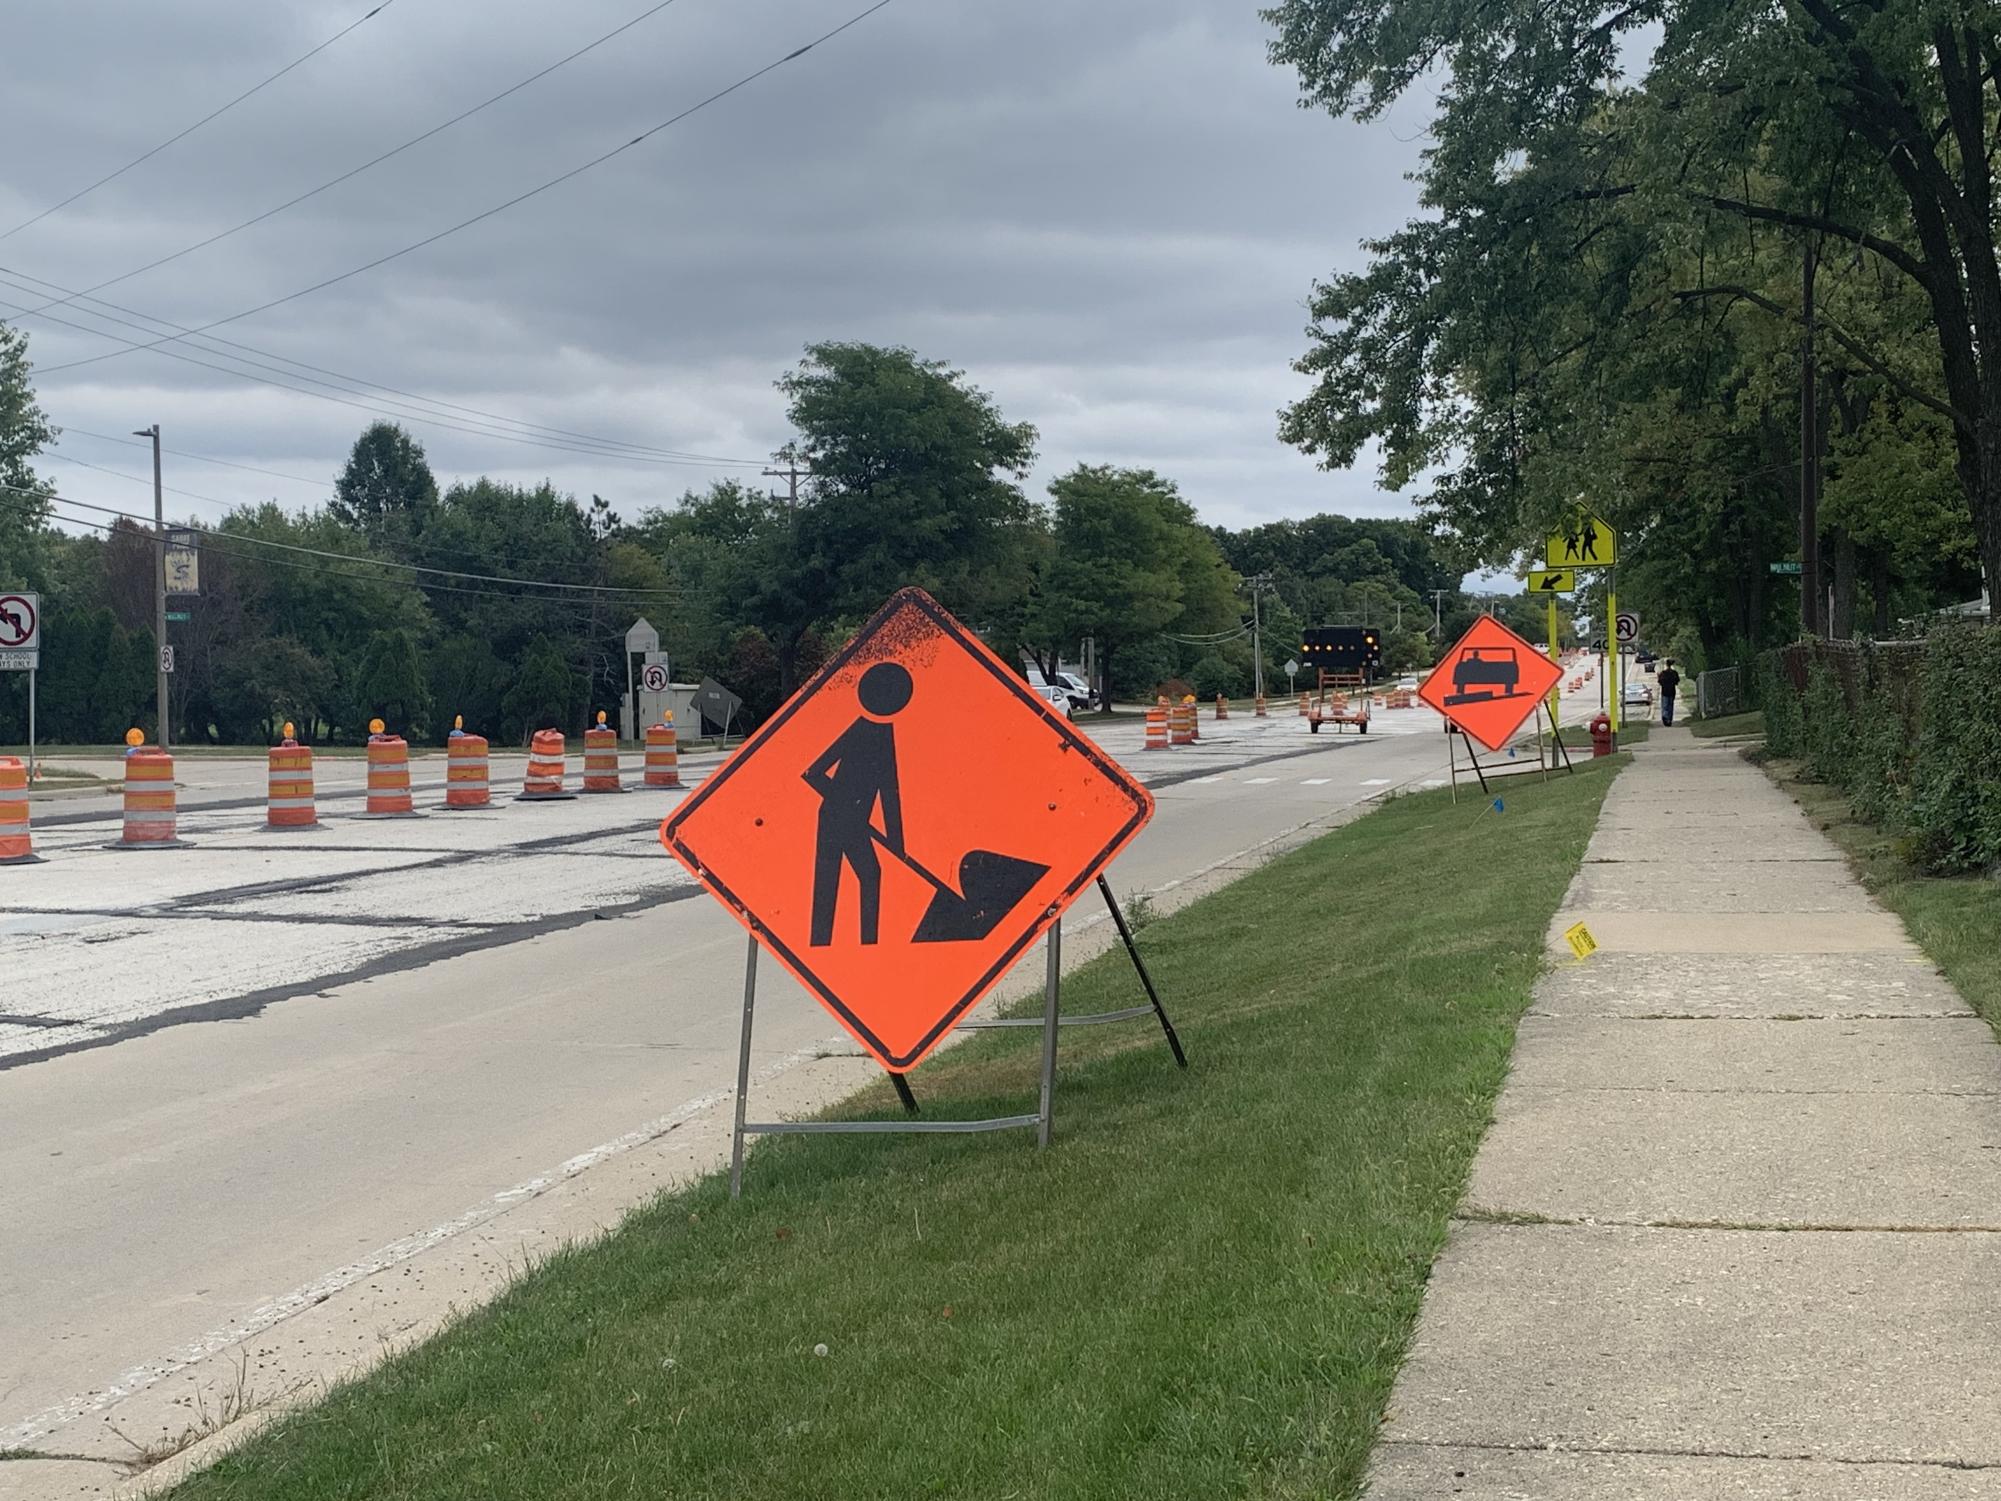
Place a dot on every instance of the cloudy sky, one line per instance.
(1107, 213)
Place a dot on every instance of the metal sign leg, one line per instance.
(1052, 985)
(743, 1070)
(1132, 950)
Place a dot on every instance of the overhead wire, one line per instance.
(375, 161)
(379, 408)
(67, 430)
(12, 277)
(342, 557)
(220, 110)
(499, 208)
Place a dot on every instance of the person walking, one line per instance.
(1668, 681)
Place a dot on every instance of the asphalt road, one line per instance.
(274, 1103)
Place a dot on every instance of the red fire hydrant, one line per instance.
(1601, 736)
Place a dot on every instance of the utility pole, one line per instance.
(159, 582)
(1810, 591)
(1258, 584)
(1437, 613)
(791, 474)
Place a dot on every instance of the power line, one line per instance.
(499, 208)
(319, 552)
(181, 453)
(11, 277)
(389, 409)
(147, 156)
(376, 161)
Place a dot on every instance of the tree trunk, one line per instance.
(1842, 624)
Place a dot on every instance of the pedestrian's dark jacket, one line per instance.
(1669, 680)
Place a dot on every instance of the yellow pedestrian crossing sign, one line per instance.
(1552, 580)
(1586, 542)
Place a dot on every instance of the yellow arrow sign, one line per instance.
(1586, 543)
(1552, 580)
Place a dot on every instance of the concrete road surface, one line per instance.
(275, 1103)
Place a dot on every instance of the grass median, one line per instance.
(1203, 1290)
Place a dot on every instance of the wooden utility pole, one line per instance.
(791, 474)
(1810, 590)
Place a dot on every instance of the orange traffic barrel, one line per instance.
(1181, 724)
(544, 781)
(466, 784)
(16, 848)
(388, 774)
(663, 754)
(1260, 709)
(1222, 707)
(1302, 706)
(601, 757)
(290, 802)
(149, 799)
(1156, 728)
(1194, 724)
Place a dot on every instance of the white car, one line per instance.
(1638, 694)
(1407, 683)
(1057, 698)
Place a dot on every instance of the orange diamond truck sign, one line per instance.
(1490, 682)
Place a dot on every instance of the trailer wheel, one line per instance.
(1365, 727)
(1313, 725)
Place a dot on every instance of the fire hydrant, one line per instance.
(1601, 736)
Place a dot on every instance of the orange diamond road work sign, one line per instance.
(906, 826)
(1490, 682)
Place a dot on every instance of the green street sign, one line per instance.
(179, 615)
(1785, 568)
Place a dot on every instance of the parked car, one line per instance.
(1637, 693)
(1057, 698)
(1407, 683)
(1081, 696)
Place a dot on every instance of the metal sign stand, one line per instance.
(1049, 1021)
(1545, 761)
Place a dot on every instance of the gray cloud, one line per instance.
(1108, 214)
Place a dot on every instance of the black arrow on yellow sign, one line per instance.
(1552, 580)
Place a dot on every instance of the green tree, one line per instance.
(1128, 557)
(1569, 215)
(386, 489)
(389, 682)
(544, 694)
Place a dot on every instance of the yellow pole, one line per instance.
(1612, 659)
(1556, 692)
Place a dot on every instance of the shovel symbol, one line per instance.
(993, 886)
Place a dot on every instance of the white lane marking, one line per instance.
(1203, 781)
(1377, 782)
(1258, 781)
(140, 1377)
(1316, 781)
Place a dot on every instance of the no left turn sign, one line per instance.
(20, 622)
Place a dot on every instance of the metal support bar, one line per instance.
(1051, 985)
(928, 1128)
(1145, 979)
(902, 1083)
(743, 1069)
(1131, 1013)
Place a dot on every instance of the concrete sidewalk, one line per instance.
(1736, 1231)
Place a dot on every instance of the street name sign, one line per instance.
(1585, 542)
(1490, 682)
(904, 828)
(1792, 567)
(1552, 580)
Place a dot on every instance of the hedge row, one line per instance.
(1911, 731)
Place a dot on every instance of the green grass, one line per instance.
(1952, 918)
(1752, 723)
(1203, 1290)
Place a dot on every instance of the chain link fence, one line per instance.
(1721, 692)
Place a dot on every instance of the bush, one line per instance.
(1885, 737)
(1955, 800)
(1213, 675)
(1781, 703)
(1827, 731)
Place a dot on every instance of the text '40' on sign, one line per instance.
(906, 826)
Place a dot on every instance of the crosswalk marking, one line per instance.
(1204, 781)
(1377, 782)
(1316, 781)
(1258, 781)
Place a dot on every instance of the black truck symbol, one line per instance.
(1485, 672)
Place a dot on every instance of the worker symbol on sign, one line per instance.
(854, 777)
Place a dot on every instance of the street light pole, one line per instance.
(159, 582)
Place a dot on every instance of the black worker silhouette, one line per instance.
(856, 775)
(853, 775)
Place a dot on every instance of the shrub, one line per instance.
(1955, 798)
(1827, 731)
(1781, 703)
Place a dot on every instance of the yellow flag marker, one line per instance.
(1582, 944)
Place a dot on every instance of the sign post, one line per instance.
(21, 650)
(1552, 582)
(898, 835)
(640, 639)
(1587, 542)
